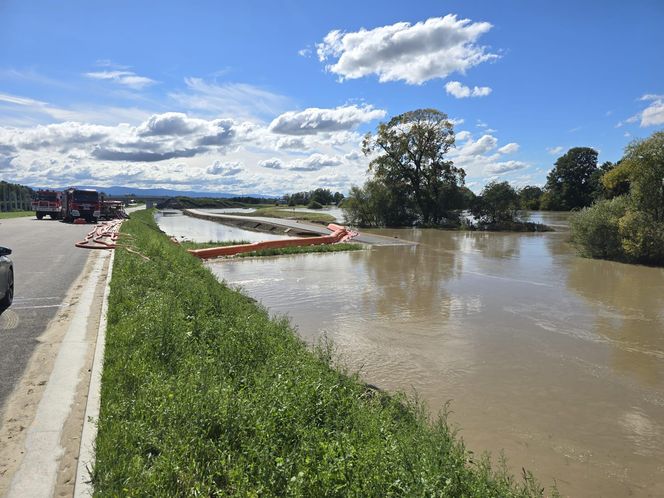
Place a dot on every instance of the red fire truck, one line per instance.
(47, 202)
(81, 203)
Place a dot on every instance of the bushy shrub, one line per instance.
(315, 205)
(596, 231)
(642, 237)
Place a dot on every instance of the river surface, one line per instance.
(555, 359)
(187, 227)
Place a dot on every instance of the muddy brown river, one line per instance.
(554, 359)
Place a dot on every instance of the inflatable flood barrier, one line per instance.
(339, 234)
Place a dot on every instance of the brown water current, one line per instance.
(555, 359)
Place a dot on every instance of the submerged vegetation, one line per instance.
(203, 394)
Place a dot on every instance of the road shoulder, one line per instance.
(42, 420)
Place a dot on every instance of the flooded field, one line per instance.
(181, 226)
(556, 359)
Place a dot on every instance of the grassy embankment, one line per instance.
(203, 394)
(277, 251)
(15, 214)
(278, 212)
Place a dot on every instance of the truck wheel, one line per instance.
(6, 301)
(40, 216)
(55, 216)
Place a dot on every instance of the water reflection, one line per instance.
(628, 305)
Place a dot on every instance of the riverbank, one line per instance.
(204, 394)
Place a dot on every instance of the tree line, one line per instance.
(314, 198)
(14, 197)
(412, 181)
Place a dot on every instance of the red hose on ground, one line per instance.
(102, 236)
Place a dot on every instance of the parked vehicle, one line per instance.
(81, 203)
(112, 210)
(6, 279)
(47, 202)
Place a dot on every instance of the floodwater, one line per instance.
(197, 230)
(555, 359)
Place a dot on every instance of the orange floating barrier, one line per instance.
(339, 234)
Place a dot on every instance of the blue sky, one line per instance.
(271, 97)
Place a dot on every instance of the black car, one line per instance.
(6, 279)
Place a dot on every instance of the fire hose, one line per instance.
(103, 236)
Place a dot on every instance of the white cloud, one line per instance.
(126, 78)
(274, 163)
(510, 148)
(460, 91)
(554, 150)
(314, 162)
(413, 53)
(315, 120)
(304, 52)
(506, 167)
(239, 100)
(225, 169)
(653, 115)
(481, 146)
(462, 135)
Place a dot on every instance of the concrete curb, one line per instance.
(86, 457)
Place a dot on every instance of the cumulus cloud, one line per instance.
(510, 148)
(554, 150)
(505, 167)
(413, 53)
(481, 146)
(653, 115)
(225, 169)
(125, 78)
(314, 162)
(315, 120)
(461, 91)
(273, 163)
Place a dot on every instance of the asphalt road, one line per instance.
(46, 263)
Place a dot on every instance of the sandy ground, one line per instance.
(21, 406)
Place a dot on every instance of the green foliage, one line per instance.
(644, 161)
(630, 227)
(203, 394)
(595, 230)
(409, 161)
(570, 184)
(497, 203)
(530, 198)
(15, 197)
(315, 205)
(322, 196)
(376, 205)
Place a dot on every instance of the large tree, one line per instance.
(570, 184)
(409, 154)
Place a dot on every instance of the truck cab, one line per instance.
(82, 203)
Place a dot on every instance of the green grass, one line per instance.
(203, 394)
(342, 246)
(15, 214)
(277, 212)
